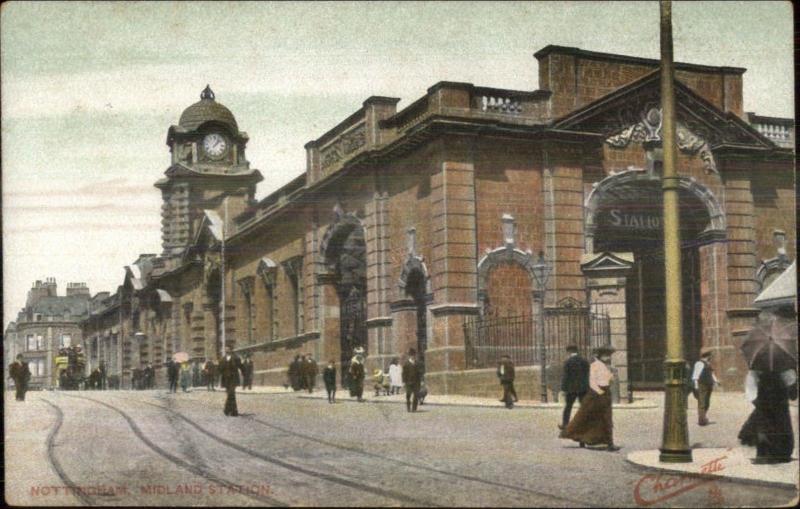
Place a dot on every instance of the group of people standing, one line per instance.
(410, 376)
(208, 374)
(303, 373)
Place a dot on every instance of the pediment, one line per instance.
(606, 262)
(632, 114)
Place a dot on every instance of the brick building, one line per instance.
(418, 227)
(47, 322)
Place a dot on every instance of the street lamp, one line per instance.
(541, 272)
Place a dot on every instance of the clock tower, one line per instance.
(208, 167)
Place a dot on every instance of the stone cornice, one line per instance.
(455, 308)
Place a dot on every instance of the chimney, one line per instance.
(78, 290)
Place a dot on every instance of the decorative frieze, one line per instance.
(344, 145)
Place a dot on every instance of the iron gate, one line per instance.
(489, 338)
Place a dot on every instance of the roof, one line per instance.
(207, 109)
(214, 224)
(75, 306)
(781, 292)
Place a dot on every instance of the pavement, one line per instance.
(733, 464)
(639, 403)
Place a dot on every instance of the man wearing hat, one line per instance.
(704, 381)
(593, 423)
(574, 382)
(357, 374)
(21, 374)
(412, 379)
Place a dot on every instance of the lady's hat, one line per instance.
(706, 351)
(377, 372)
(359, 350)
(604, 350)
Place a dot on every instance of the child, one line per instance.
(377, 378)
(423, 391)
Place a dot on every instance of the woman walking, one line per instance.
(186, 376)
(769, 427)
(593, 422)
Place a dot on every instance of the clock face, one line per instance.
(215, 145)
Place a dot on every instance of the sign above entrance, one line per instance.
(617, 218)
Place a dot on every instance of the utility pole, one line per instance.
(675, 439)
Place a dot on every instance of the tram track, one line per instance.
(424, 468)
(194, 469)
(57, 467)
(356, 485)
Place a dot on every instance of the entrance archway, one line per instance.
(214, 300)
(344, 250)
(624, 214)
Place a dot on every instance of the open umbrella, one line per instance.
(771, 345)
(180, 357)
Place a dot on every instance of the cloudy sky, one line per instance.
(90, 89)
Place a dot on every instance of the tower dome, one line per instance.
(207, 110)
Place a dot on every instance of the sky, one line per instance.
(88, 91)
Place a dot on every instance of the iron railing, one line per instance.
(487, 339)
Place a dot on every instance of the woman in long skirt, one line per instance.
(769, 427)
(593, 423)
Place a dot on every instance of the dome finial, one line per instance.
(207, 93)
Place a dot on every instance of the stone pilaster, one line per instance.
(453, 265)
(606, 277)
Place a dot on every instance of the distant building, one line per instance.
(420, 228)
(47, 322)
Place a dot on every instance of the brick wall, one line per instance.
(508, 289)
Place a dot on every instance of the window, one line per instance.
(294, 271)
(66, 340)
(246, 285)
(30, 343)
(39, 342)
(267, 270)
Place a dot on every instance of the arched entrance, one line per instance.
(214, 300)
(345, 250)
(624, 214)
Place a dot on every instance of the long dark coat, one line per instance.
(20, 372)
(229, 371)
(575, 376)
(592, 424)
(769, 427)
(412, 375)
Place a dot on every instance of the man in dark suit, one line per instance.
(574, 382)
(229, 367)
(412, 379)
(172, 375)
(311, 373)
(505, 372)
(210, 371)
(21, 375)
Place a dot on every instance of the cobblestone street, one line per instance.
(154, 448)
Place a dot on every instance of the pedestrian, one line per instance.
(593, 423)
(21, 374)
(311, 373)
(151, 376)
(377, 381)
(294, 373)
(103, 379)
(412, 378)
(704, 381)
(247, 372)
(574, 382)
(769, 427)
(357, 375)
(196, 373)
(172, 375)
(211, 374)
(395, 376)
(185, 376)
(329, 377)
(505, 372)
(229, 367)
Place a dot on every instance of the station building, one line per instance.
(422, 227)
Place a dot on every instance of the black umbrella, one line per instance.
(771, 345)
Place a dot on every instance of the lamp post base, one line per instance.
(675, 456)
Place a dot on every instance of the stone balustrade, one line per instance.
(499, 104)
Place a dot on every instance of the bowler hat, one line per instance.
(572, 348)
(706, 352)
(411, 351)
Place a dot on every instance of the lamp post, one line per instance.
(675, 438)
(541, 272)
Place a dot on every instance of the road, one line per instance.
(153, 448)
